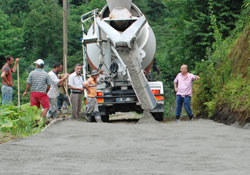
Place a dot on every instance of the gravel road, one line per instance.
(199, 147)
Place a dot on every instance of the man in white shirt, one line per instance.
(54, 90)
(76, 87)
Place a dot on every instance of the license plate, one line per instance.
(123, 99)
(120, 99)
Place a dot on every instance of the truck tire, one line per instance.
(105, 118)
(158, 116)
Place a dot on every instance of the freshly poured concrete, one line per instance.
(199, 147)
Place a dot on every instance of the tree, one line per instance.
(188, 35)
(43, 31)
(11, 38)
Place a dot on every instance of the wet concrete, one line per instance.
(76, 147)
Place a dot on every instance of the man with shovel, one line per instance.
(7, 82)
(54, 90)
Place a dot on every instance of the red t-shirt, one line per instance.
(8, 72)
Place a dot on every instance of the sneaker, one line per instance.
(178, 120)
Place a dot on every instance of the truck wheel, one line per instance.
(105, 118)
(158, 116)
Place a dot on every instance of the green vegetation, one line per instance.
(224, 92)
(21, 121)
(212, 37)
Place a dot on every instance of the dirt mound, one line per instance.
(147, 118)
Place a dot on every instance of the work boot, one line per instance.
(88, 117)
(98, 118)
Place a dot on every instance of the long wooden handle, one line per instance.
(18, 86)
(67, 94)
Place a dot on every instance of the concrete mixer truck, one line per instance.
(119, 41)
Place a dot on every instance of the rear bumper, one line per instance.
(111, 108)
(125, 101)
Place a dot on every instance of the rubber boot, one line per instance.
(88, 117)
(98, 118)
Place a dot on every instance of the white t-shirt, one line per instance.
(54, 90)
(75, 81)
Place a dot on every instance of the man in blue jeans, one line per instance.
(183, 87)
(7, 81)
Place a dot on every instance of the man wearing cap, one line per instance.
(7, 82)
(76, 88)
(92, 105)
(39, 82)
(54, 90)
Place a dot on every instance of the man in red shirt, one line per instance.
(7, 82)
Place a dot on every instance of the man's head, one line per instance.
(9, 60)
(78, 68)
(184, 69)
(39, 63)
(58, 68)
(94, 74)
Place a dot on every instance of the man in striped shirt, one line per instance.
(39, 82)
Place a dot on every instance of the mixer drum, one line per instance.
(145, 40)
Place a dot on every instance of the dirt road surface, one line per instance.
(199, 147)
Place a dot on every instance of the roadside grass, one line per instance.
(20, 122)
(6, 137)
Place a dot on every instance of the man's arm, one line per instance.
(4, 78)
(175, 87)
(176, 84)
(26, 89)
(63, 79)
(15, 65)
(197, 77)
(86, 84)
(48, 88)
(75, 88)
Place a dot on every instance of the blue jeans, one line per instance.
(61, 98)
(187, 105)
(7, 93)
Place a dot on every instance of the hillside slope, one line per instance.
(223, 94)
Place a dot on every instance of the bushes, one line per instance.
(224, 87)
(20, 122)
